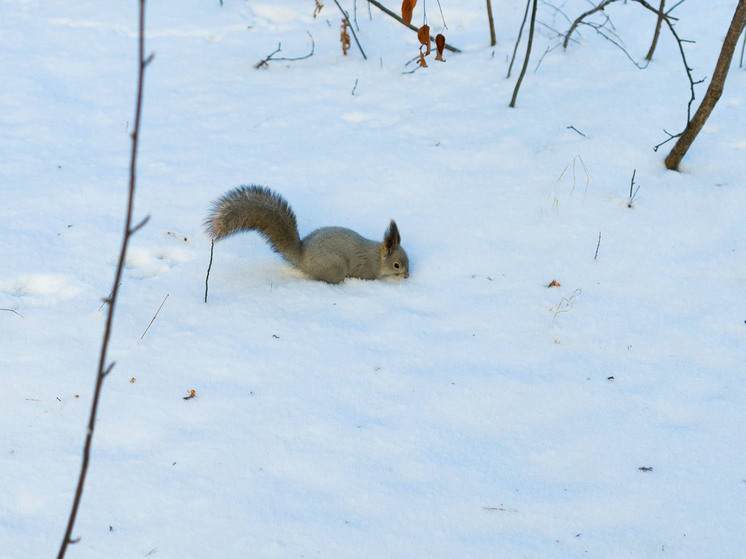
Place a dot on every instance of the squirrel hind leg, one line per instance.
(334, 269)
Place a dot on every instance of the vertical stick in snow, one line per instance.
(528, 53)
(129, 230)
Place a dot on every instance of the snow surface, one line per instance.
(469, 411)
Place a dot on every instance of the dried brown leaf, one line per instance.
(423, 34)
(440, 45)
(317, 9)
(407, 7)
(344, 37)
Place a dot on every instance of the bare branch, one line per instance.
(531, 28)
(663, 17)
(264, 63)
(518, 40)
(103, 370)
(580, 18)
(649, 55)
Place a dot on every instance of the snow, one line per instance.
(469, 411)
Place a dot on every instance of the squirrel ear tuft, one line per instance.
(392, 238)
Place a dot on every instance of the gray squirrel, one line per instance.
(329, 254)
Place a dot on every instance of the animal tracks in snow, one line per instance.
(39, 289)
(144, 262)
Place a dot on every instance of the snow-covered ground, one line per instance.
(469, 411)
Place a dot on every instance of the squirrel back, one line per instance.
(328, 254)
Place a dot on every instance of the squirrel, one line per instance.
(328, 254)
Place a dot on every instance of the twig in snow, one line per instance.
(14, 312)
(518, 40)
(271, 56)
(154, 316)
(565, 303)
(574, 175)
(598, 245)
(209, 267)
(632, 189)
(531, 28)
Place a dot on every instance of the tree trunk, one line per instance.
(714, 91)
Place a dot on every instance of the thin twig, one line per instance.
(264, 63)
(518, 40)
(632, 189)
(649, 55)
(598, 245)
(14, 312)
(354, 35)
(662, 16)
(108, 299)
(581, 17)
(567, 302)
(531, 27)
(154, 316)
(103, 367)
(209, 267)
(670, 137)
(388, 12)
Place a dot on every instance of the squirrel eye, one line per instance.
(396, 265)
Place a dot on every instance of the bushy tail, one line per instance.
(256, 208)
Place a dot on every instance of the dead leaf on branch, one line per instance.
(344, 37)
(407, 7)
(440, 45)
(423, 34)
(317, 9)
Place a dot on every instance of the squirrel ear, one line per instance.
(391, 238)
